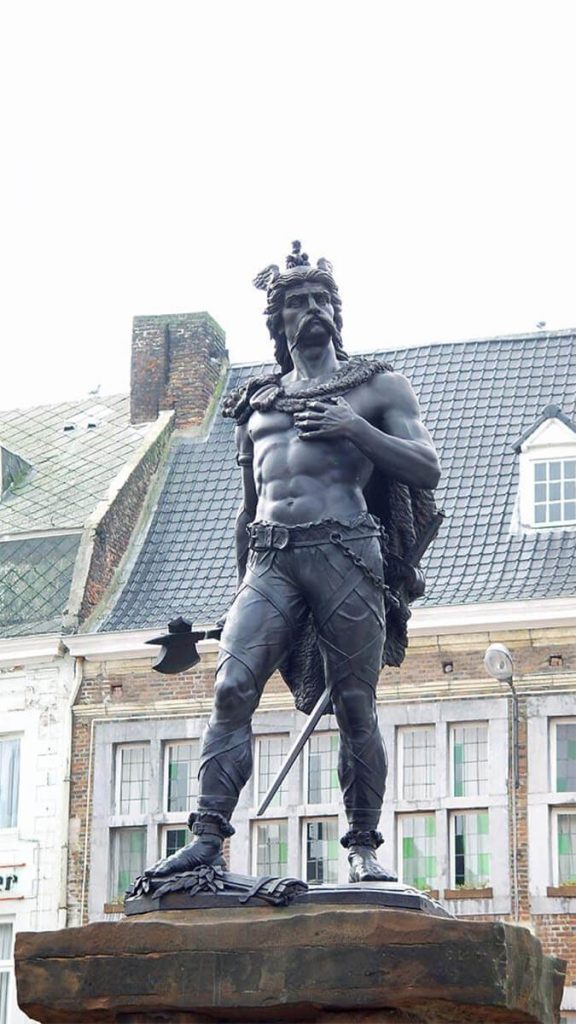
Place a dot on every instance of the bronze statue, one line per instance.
(337, 473)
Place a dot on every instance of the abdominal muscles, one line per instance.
(303, 481)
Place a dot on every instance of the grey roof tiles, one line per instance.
(73, 451)
(477, 399)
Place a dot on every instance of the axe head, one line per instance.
(178, 645)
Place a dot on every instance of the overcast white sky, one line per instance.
(158, 154)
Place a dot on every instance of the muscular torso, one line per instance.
(302, 481)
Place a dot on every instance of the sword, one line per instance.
(414, 556)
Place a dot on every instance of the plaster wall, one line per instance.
(35, 706)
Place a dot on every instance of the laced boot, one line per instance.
(364, 867)
(209, 829)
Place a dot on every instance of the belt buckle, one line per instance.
(279, 537)
(258, 537)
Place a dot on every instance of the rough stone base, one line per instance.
(321, 964)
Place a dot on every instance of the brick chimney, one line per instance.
(177, 361)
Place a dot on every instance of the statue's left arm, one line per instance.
(399, 446)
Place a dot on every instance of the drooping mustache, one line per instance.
(310, 318)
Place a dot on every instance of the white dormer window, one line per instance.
(547, 492)
(555, 492)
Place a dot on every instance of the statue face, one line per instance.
(308, 314)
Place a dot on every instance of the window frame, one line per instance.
(5, 737)
(264, 822)
(316, 819)
(7, 967)
(551, 524)
(452, 726)
(553, 748)
(306, 772)
(400, 818)
(118, 749)
(114, 832)
(401, 731)
(171, 826)
(166, 773)
(467, 812)
(280, 804)
(555, 812)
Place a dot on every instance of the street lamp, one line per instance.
(499, 664)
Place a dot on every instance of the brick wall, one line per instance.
(114, 530)
(177, 363)
(123, 687)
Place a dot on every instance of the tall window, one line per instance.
(132, 778)
(321, 851)
(128, 859)
(182, 761)
(270, 753)
(417, 841)
(564, 841)
(469, 745)
(5, 969)
(555, 492)
(470, 850)
(9, 780)
(564, 756)
(271, 853)
(417, 762)
(323, 768)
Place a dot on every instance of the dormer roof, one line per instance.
(551, 412)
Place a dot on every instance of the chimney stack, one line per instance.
(177, 361)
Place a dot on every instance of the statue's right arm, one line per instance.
(247, 510)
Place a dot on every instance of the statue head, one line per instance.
(282, 290)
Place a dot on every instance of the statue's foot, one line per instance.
(364, 866)
(202, 851)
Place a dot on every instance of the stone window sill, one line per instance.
(469, 894)
(114, 908)
(561, 890)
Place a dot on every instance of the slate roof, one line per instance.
(74, 449)
(477, 398)
(71, 468)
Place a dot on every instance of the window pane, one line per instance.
(554, 469)
(540, 492)
(176, 838)
(272, 751)
(5, 941)
(134, 769)
(554, 512)
(128, 858)
(540, 471)
(567, 849)
(418, 833)
(566, 757)
(4, 990)
(470, 759)
(540, 514)
(569, 511)
(570, 469)
(471, 850)
(569, 490)
(321, 852)
(9, 782)
(182, 774)
(323, 768)
(272, 848)
(419, 763)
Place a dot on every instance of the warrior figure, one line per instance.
(322, 446)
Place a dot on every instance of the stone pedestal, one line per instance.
(324, 964)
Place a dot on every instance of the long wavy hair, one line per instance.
(273, 311)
